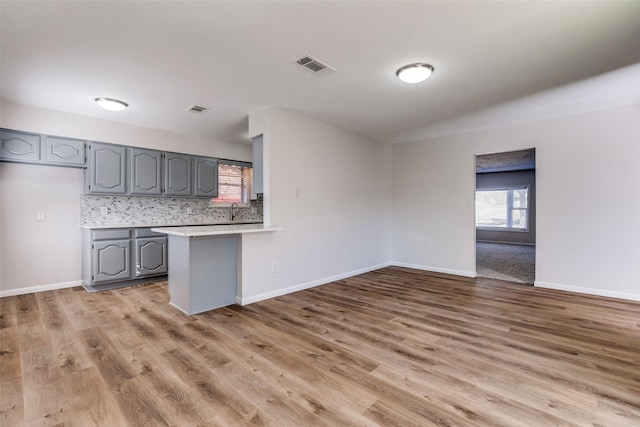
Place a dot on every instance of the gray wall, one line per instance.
(503, 179)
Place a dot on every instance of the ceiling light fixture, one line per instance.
(111, 104)
(414, 73)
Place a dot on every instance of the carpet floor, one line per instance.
(515, 263)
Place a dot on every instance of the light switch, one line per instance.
(41, 216)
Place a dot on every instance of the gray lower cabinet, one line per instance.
(111, 261)
(24, 147)
(150, 253)
(145, 171)
(178, 174)
(107, 169)
(122, 257)
(205, 177)
(151, 256)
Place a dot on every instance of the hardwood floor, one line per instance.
(391, 347)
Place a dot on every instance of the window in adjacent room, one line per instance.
(234, 184)
(503, 208)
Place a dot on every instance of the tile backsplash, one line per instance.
(160, 210)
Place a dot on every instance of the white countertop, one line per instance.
(165, 224)
(215, 230)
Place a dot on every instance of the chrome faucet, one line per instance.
(233, 215)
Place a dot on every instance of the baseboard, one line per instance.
(435, 269)
(589, 291)
(307, 285)
(39, 288)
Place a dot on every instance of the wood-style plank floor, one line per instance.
(394, 347)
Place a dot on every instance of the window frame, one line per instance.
(509, 208)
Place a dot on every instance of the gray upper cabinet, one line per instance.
(106, 171)
(205, 177)
(118, 169)
(145, 171)
(258, 168)
(20, 146)
(24, 147)
(63, 151)
(177, 174)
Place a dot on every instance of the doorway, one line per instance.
(506, 216)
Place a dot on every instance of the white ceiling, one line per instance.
(237, 57)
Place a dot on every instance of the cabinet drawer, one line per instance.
(146, 232)
(111, 234)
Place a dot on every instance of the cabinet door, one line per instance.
(19, 146)
(111, 260)
(177, 174)
(145, 171)
(106, 171)
(63, 151)
(258, 180)
(206, 177)
(151, 256)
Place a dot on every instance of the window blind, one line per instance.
(233, 183)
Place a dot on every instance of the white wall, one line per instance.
(588, 226)
(588, 201)
(38, 256)
(339, 226)
(39, 253)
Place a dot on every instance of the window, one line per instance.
(233, 184)
(503, 208)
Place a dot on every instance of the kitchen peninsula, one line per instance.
(203, 264)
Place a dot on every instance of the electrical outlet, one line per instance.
(297, 192)
(104, 210)
(189, 211)
(41, 216)
(274, 267)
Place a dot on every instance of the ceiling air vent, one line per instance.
(197, 109)
(315, 65)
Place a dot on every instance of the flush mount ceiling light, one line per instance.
(414, 73)
(111, 104)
